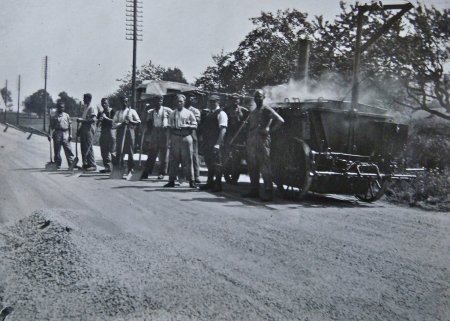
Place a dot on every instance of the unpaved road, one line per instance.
(99, 249)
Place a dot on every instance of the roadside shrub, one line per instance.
(428, 146)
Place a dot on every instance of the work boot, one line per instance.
(160, 176)
(144, 174)
(197, 181)
(266, 196)
(192, 184)
(106, 170)
(252, 194)
(170, 184)
(91, 169)
(217, 188)
(207, 186)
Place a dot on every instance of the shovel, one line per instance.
(51, 166)
(75, 160)
(117, 167)
(138, 170)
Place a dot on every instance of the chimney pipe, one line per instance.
(301, 73)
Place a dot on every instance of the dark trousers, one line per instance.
(87, 133)
(258, 161)
(195, 161)
(157, 148)
(213, 160)
(128, 145)
(60, 139)
(107, 146)
(180, 152)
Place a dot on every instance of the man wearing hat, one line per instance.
(124, 121)
(193, 104)
(157, 122)
(214, 127)
(261, 121)
(237, 115)
(179, 141)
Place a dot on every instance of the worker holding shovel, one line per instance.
(86, 134)
(125, 120)
(61, 131)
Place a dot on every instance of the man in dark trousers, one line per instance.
(157, 122)
(214, 128)
(262, 120)
(61, 129)
(87, 132)
(232, 155)
(125, 120)
(195, 161)
(107, 139)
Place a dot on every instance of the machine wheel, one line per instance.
(375, 189)
(293, 179)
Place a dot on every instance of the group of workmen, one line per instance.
(174, 138)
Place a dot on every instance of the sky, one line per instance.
(87, 50)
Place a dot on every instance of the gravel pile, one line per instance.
(52, 270)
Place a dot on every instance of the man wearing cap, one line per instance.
(179, 141)
(237, 115)
(107, 140)
(87, 132)
(157, 122)
(262, 120)
(214, 127)
(124, 121)
(193, 104)
(61, 129)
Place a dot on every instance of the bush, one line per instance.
(428, 146)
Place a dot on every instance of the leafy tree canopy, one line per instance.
(35, 102)
(403, 68)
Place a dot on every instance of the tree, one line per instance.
(35, 102)
(403, 68)
(72, 106)
(174, 74)
(147, 71)
(7, 98)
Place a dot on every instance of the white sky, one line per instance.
(85, 39)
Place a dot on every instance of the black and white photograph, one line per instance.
(224, 160)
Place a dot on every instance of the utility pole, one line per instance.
(134, 33)
(360, 48)
(18, 101)
(45, 71)
(6, 101)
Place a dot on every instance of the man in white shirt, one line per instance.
(157, 122)
(124, 121)
(87, 132)
(214, 128)
(179, 141)
(195, 162)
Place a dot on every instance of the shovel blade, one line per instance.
(51, 166)
(136, 175)
(117, 172)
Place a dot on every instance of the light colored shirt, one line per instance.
(159, 118)
(60, 121)
(182, 119)
(196, 113)
(90, 112)
(222, 118)
(121, 115)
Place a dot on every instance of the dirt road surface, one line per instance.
(90, 248)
